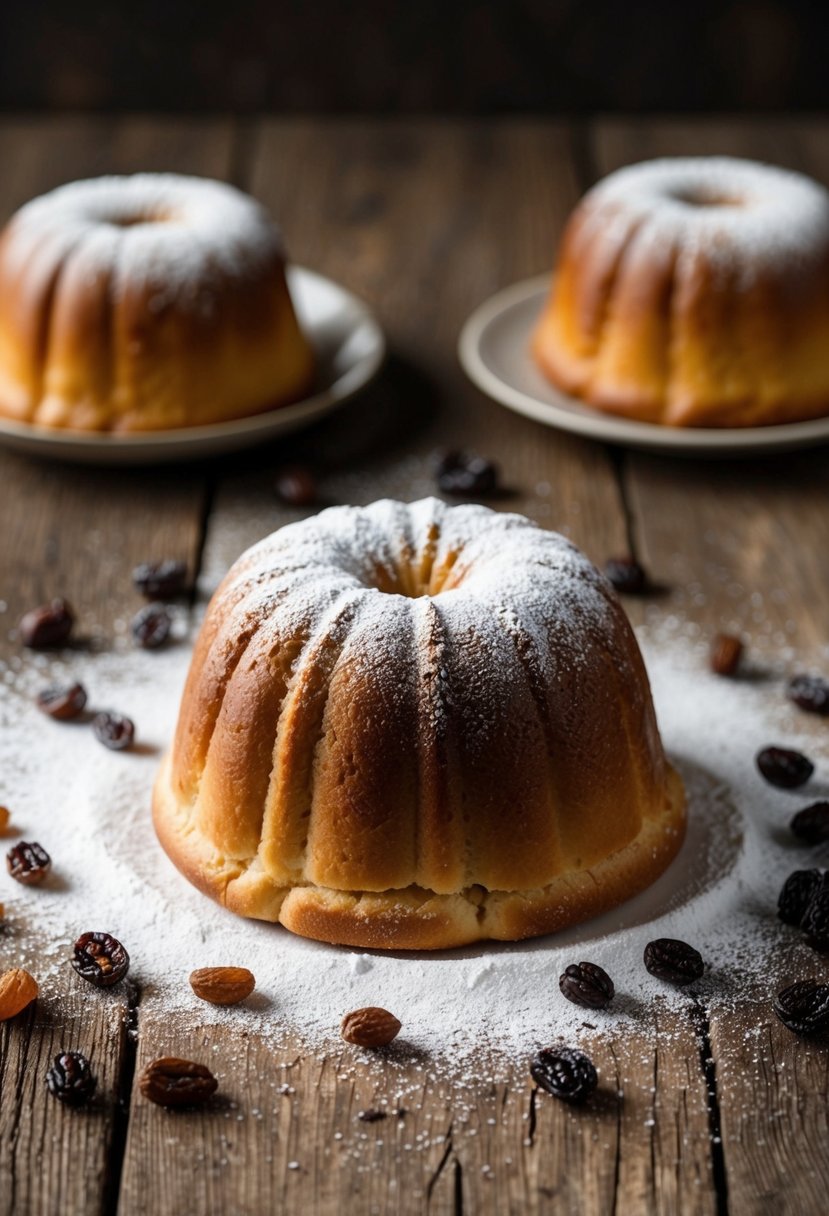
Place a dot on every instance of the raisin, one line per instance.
(462, 473)
(62, 702)
(29, 863)
(101, 959)
(726, 652)
(812, 823)
(46, 626)
(587, 984)
(803, 1007)
(173, 1082)
(670, 959)
(626, 575)
(151, 626)
(115, 731)
(296, 486)
(810, 693)
(160, 580)
(783, 767)
(796, 895)
(70, 1079)
(565, 1073)
(815, 922)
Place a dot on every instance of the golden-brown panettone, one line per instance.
(145, 303)
(694, 292)
(416, 726)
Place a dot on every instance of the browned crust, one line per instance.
(414, 919)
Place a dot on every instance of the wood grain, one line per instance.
(750, 557)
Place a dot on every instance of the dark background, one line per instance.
(318, 56)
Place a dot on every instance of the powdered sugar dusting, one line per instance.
(177, 235)
(737, 212)
(90, 809)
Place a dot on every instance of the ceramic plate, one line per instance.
(494, 350)
(350, 348)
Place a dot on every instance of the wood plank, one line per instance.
(424, 220)
(77, 533)
(750, 562)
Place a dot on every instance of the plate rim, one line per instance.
(327, 399)
(607, 427)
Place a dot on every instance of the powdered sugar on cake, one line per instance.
(736, 213)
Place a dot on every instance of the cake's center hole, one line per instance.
(136, 218)
(708, 198)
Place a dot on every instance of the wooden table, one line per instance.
(424, 220)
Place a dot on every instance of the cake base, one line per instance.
(413, 918)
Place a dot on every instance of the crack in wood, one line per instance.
(121, 1114)
(702, 1027)
(447, 1153)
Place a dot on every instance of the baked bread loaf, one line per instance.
(694, 292)
(416, 726)
(145, 303)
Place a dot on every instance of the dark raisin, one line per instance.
(803, 1007)
(812, 823)
(115, 731)
(62, 701)
(371, 1116)
(673, 960)
(726, 652)
(160, 580)
(565, 1073)
(28, 863)
(626, 575)
(48, 625)
(815, 923)
(462, 473)
(151, 626)
(70, 1079)
(587, 984)
(810, 693)
(783, 767)
(173, 1082)
(796, 895)
(296, 486)
(101, 959)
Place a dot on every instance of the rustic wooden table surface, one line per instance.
(424, 220)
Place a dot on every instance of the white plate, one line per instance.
(350, 348)
(494, 349)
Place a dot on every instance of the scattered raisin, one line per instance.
(151, 626)
(812, 823)
(101, 959)
(803, 1007)
(565, 1073)
(673, 960)
(783, 767)
(796, 895)
(810, 693)
(172, 1082)
(70, 1079)
(815, 923)
(63, 702)
(462, 473)
(28, 862)
(587, 984)
(726, 652)
(160, 580)
(296, 486)
(626, 575)
(46, 626)
(115, 731)
(371, 1116)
